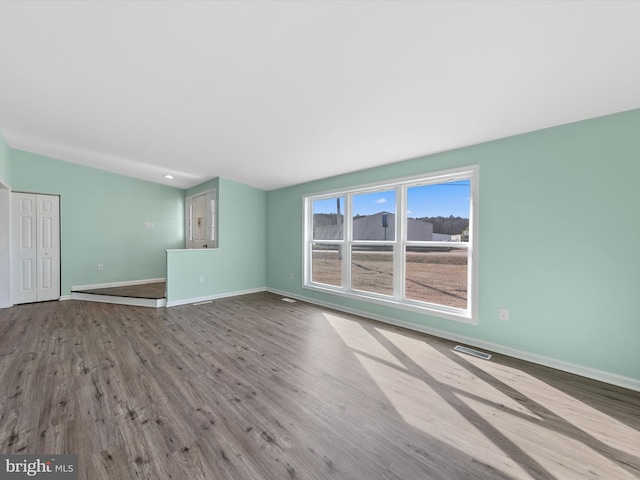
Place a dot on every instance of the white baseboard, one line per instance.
(186, 301)
(135, 302)
(611, 378)
(117, 284)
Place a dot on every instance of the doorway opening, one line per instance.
(200, 217)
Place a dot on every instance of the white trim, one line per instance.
(418, 307)
(134, 302)
(64, 298)
(216, 296)
(435, 176)
(5, 245)
(117, 284)
(592, 373)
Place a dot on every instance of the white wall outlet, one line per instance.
(291, 276)
(100, 267)
(148, 224)
(504, 314)
(201, 279)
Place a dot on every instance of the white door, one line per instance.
(200, 216)
(199, 220)
(35, 247)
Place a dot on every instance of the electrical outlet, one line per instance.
(201, 279)
(504, 314)
(291, 276)
(100, 267)
(148, 224)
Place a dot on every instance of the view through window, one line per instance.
(409, 242)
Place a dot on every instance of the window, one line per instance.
(200, 217)
(409, 243)
(326, 241)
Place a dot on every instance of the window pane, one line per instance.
(328, 219)
(437, 276)
(372, 269)
(440, 211)
(326, 264)
(374, 216)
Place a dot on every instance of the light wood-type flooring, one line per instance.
(252, 387)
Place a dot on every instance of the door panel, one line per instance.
(26, 203)
(23, 256)
(45, 233)
(26, 276)
(35, 251)
(48, 247)
(200, 216)
(199, 221)
(26, 232)
(46, 273)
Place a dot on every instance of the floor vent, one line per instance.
(471, 351)
(288, 300)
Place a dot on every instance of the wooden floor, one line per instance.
(155, 290)
(255, 388)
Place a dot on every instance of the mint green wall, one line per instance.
(102, 219)
(203, 187)
(239, 262)
(548, 199)
(558, 237)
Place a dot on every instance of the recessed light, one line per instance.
(170, 177)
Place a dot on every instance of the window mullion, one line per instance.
(310, 243)
(398, 252)
(346, 248)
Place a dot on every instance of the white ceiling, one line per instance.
(278, 93)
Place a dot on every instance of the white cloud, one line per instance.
(381, 200)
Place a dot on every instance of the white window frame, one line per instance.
(211, 226)
(468, 315)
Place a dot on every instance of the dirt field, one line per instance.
(434, 277)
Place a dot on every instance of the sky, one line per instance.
(442, 199)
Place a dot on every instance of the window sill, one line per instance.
(462, 317)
